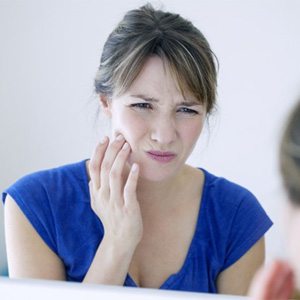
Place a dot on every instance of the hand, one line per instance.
(113, 197)
(273, 282)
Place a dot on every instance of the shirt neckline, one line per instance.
(176, 276)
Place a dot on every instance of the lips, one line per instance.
(161, 156)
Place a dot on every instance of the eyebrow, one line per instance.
(152, 99)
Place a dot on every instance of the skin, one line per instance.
(292, 229)
(148, 209)
(280, 279)
(273, 282)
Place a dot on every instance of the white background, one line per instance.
(49, 53)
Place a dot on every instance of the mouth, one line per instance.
(160, 156)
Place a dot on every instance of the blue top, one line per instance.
(57, 203)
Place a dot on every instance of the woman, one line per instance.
(135, 214)
(280, 279)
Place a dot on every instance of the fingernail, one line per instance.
(134, 167)
(119, 137)
(125, 146)
(103, 140)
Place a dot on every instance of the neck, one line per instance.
(157, 193)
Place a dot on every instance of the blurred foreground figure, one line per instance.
(281, 280)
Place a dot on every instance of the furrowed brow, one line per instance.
(151, 99)
(189, 103)
(145, 97)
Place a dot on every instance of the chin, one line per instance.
(158, 173)
(153, 176)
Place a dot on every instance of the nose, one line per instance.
(163, 130)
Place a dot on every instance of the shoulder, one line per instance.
(39, 183)
(230, 203)
(45, 198)
(74, 171)
(226, 193)
(238, 220)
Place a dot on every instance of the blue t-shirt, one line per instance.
(57, 204)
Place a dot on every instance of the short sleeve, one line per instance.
(57, 203)
(33, 200)
(248, 226)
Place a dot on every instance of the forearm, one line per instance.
(110, 264)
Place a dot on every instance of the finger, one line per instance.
(92, 198)
(110, 155)
(284, 285)
(95, 162)
(286, 289)
(290, 288)
(131, 185)
(262, 283)
(271, 276)
(260, 289)
(269, 282)
(115, 175)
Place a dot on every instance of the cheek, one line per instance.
(131, 126)
(192, 132)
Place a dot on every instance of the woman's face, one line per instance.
(160, 125)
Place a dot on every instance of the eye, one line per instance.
(188, 111)
(142, 106)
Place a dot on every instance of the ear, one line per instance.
(105, 104)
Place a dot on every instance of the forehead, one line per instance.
(153, 72)
(156, 77)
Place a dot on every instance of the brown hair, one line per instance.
(182, 47)
(290, 156)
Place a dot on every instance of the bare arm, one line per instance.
(236, 279)
(27, 254)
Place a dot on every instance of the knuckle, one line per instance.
(121, 156)
(115, 145)
(97, 202)
(114, 174)
(124, 152)
(93, 166)
(98, 148)
(127, 190)
(106, 166)
(103, 195)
